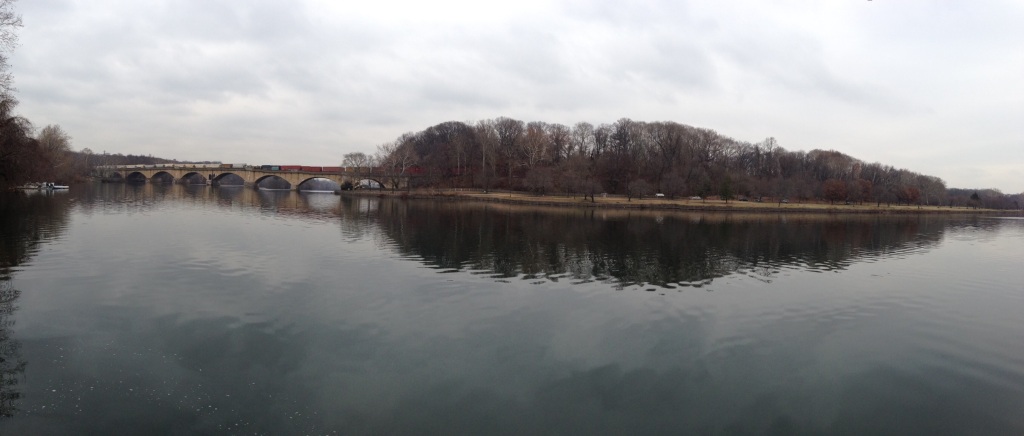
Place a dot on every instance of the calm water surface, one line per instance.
(181, 310)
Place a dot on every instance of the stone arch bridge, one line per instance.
(251, 175)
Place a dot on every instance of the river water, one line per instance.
(183, 310)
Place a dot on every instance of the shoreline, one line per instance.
(663, 204)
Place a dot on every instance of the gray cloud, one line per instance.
(883, 81)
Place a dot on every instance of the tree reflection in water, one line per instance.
(26, 222)
(11, 365)
(630, 248)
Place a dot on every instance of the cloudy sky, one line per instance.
(933, 86)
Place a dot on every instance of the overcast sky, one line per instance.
(933, 86)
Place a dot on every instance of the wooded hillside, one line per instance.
(636, 158)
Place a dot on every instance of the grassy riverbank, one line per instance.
(621, 202)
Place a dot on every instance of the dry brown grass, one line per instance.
(621, 202)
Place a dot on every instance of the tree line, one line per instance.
(637, 159)
(26, 155)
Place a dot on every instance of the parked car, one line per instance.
(659, 195)
(695, 197)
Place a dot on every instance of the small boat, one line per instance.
(49, 185)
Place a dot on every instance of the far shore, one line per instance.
(661, 203)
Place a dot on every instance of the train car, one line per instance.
(241, 165)
(312, 169)
(225, 165)
(332, 169)
(290, 167)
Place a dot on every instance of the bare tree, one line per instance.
(835, 190)
(9, 23)
(638, 188)
(53, 139)
(487, 139)
(575, 171)
(667, 139)
(462, 145)
(602, 137)
(582, 139)
(510, 133)
(673, 185)
(396, 158)
(540, 180)
(55, 144)
(536, 144)
(559, 137)
(590, 186)
(20, 159)
(933, 189)
(725, 190)
(9, 20)
(358, 160)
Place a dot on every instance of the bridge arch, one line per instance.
(306, 181)
(276, 182)
(193, 178)
(358, 183)
(161, 177)
(227, 177)
(135, 177)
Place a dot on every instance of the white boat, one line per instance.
(45, 186)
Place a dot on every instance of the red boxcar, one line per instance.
(312, 169)
(332, 169)
(290, 167)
